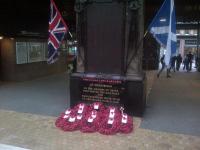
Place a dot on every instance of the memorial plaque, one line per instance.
(102, 90)
(111, 90)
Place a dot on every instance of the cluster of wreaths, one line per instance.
(95, 118)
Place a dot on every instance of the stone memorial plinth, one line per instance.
(109, 61)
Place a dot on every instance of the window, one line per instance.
(28, 52)
(36, 52)
(21, 53)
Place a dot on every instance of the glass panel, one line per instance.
(21, 53)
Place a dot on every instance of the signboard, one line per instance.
(102, 90)
(191, 42)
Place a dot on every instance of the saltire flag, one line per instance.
(57, 30)
(163, 28)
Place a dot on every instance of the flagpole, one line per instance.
(70, 34)
(145, 33)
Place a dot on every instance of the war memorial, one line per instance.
(109, 60)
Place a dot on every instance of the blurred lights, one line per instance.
(11, 38)
(186, 32)
(163, 20)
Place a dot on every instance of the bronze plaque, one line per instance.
(102, 90)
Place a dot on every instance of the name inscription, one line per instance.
(102, 90)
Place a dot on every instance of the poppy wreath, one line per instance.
(111, 121)
(58, 123)
(80, 111)
(73, 122)
(95, 117)
(126, 124)
(91, 122)
(62, 118)
(98, 106)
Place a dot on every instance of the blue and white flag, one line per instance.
(163, 28)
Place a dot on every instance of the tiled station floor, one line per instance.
(31, 126)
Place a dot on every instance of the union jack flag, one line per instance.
(57, 30)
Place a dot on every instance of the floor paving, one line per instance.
(34, 130)
(39, 133)
(174, 103)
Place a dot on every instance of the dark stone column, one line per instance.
(135, 35)
(0, 62)
(198, 53)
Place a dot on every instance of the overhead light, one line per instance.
(182, 31)
(1, 37)
(12, 38)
